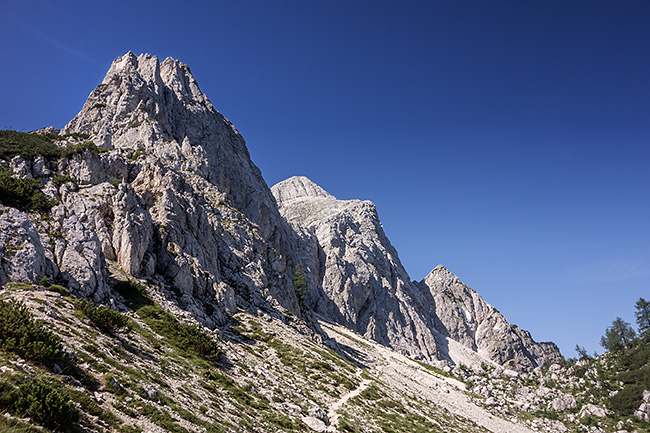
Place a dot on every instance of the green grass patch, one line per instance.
(243, 395)
(185, 336)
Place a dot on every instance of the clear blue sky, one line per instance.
(507, 140)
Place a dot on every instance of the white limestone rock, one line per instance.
(22, 255)
(356, 278)
(643, 412)
(39, 168)
(463, 315)
(354, 273)
(564, 402)
(591, 410)
(21, 167)
(191, 207)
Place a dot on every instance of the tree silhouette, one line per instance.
(300, 283)
(643, 317)
(617, 336)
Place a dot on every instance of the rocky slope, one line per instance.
(150, 369)
(358, 280)
(269, 377)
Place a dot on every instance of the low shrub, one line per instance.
(186, 336)
(626, 401)
(134, 293)
(58, 289)
(29, 146)
(78, 148)
(45, 402)
(28, 338)
(60, 179)
(103, 318)
(24, 194)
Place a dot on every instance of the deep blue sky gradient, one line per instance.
(507, 140)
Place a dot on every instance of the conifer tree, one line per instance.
(643, 317)
(617, 336)
(300, 283)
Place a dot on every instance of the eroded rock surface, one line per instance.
(172, 196)
(357, 280)
(466, 317)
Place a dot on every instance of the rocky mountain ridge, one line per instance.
(172, 196)
(362, 284)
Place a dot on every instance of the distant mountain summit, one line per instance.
(155, 184)
(296, 188)
(464, 316)
(356, 277)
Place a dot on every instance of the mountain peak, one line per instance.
(298, 187)
(441, 274)
(160, 101)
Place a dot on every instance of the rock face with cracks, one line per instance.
(173, 197)
(355, 273)
(358, 280)
(464, 316)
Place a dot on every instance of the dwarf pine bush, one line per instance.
(28, 338)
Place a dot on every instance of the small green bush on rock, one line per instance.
(24, 194)
(186, 336)
(105, 319)
(28, 338)
(60, 179)
(29, 146)
(45, 403)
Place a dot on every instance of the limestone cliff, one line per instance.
(359, 281)
(171, 195)
(356, 276)
(463, 315)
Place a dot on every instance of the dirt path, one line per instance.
(411, 378)
(332, 413)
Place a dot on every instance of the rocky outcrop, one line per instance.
(466, 317)
(158, 109)
(171, 195)
(355, 276)
(23, 257)
(643, 411)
